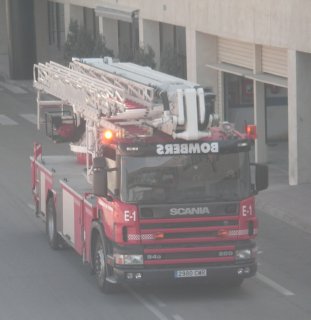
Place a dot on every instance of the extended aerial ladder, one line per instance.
(110, 95)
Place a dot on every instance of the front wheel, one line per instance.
(50, 225)
(101, 268)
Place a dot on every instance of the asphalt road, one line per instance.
(38, 283)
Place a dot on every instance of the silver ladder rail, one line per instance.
(105, 95)
(137, 92)
(89, 97)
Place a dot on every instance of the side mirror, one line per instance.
(100, 188)
(261, 176)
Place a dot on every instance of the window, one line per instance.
(112, 176)
(239, 91)
(185, 178)
(56, 24)
(91, 22)
(276, 96)
(173, 50)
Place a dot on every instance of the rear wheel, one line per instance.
(101, 268)
(51, 230)
(37, 209)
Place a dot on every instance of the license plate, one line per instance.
(190, 273)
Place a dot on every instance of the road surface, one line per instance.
(39, 283)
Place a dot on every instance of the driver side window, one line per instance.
(112, 176)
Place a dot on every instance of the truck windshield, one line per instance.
(185, 178)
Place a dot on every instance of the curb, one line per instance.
(283, 215)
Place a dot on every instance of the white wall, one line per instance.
(299, 114)
(279, 23)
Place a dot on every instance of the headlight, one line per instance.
(243, 254)
(128, 259)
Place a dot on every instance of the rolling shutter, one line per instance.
(236, 52)
(274, 61)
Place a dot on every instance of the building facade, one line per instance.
(256, 55)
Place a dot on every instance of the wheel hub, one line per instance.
(100, 262)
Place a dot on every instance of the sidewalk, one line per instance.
(14, 86)
(292, 204)
(4, 67)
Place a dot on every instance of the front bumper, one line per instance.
(157, 275)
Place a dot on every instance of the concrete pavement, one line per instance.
(292, 204)
(4, 67)
(289, 203)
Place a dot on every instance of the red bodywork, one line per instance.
(120, 217)
(185, 241)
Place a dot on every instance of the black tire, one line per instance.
(37, 209)
(100, 266)
(50, 225)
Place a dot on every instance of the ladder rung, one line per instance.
(81, 91)
(143, 93)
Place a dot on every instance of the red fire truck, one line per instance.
(157, 188)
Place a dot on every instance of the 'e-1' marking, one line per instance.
(129, 216)
(247, 210)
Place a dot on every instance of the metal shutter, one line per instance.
(274, 61)
(236, 52)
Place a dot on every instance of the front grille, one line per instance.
(201, 253)
(195, 224)
(192, 236)
(190, 255)
(186, 228)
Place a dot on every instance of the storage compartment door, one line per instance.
(68, 216)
